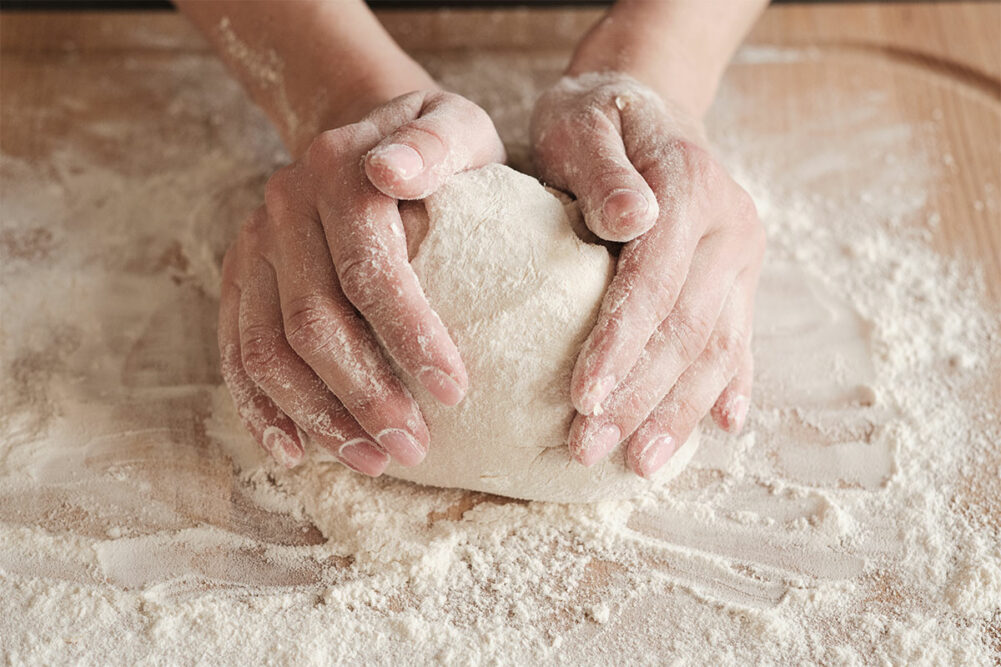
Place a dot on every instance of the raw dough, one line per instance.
(519, 291)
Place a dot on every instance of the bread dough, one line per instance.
(519, 291)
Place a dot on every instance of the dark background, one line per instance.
(382, 4)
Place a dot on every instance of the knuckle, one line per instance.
(559, 145)
(328, 146)
(640, 406)
(374, 404)
(549, 147)
(361, 404)
(697, 164)
(546, 120)
(655, 424)
(334, 423)
(474, 113)
(726, 345)
(279, 191)
(564, 129)
(685, 415)
(311, 327)
(449, 98)
(259, 352)
(361, 280)
(662, 289)
(587, 122)
(479, 115)
(697, 158)
(690, 334)
(425, 135)
(418, 99)
(250, 232)
(631, 405)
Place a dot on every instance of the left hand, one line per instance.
(672, 340)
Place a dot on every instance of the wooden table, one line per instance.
(938, 65)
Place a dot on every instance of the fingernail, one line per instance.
(590, 403)
(441, 385)
(736, 413)
(401, 159)
(599, 444)
(621, 204)
(654, 454)
(363, 456)
(282, 447)
(401, 446)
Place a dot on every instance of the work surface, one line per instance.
(856, 520)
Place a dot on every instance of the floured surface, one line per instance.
(856, 520)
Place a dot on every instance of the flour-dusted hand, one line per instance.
(319, 276)
(673, 337)
(317, 288)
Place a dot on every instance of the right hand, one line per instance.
(319, 276)
(672, 342)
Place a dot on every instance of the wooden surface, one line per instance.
(939, 66)
(958, 44)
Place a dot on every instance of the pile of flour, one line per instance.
(857, 520)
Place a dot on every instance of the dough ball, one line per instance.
(519, 291)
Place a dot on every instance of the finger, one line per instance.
(365, 239)
(671, 423)
(586, 156)
(731, 408)
(450, 134)
(651, 271)
(650, 275)
(328, 335)
(272, 429)
(290, 383)
(698, 323)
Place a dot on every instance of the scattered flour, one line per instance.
(856, 521)
(262, 70)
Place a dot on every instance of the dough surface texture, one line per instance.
(519, 291)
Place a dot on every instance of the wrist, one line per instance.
(678, 48)
(689, 86)
(351, 99)
(349, 102)
(663, 64)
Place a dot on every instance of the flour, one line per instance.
(263, 70)
(855, 521)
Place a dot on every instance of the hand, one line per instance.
(319, 276)
(672, 340)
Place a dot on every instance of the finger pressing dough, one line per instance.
(519, 291)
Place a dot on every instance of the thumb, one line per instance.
(586, 156)
(450, 134)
